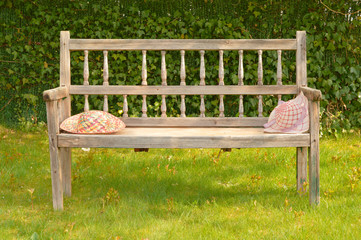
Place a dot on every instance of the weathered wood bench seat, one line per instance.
(140, 137)
(182, 132)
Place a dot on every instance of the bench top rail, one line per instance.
(182, 44)
(184, 90)
(202, 122)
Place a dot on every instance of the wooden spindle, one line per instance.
(260, 82)
(279, 71)
(240, 82)
(202, 76)
(125, 106)
(144, 106)
(105, 78)
(164, 83)
(144, 82)
(221, 83)
(183, 83)
(144, 68)
(86, 79)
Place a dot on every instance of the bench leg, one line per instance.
(65, 159)
(55, 163)
(56, 178)
(314, 175)
(301, 169)
(314, 154)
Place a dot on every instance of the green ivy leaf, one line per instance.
(32, 99)
(331, 47)
(355, 70)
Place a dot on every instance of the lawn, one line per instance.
(178, 194)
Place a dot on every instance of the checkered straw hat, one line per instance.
(92, 122)
(289, 117)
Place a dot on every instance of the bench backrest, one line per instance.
(183, 45)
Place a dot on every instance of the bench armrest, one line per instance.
(311, 93)
(55, 94)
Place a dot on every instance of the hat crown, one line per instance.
(93, 122)
(290, 116)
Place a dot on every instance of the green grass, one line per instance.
(178, 194)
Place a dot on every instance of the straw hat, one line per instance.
(92, 122)
(289, 117)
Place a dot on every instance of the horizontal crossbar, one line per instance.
(182, 44)
(195, 121)
(184, 90)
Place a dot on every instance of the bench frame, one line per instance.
(59, 108)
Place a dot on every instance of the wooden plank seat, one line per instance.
(164, 131)
(146, 137)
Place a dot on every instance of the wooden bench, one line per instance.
(182, 132)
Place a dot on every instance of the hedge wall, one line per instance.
(29, 53)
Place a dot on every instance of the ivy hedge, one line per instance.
(29, 53)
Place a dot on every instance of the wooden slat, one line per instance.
(202, 75)
(195, 122)
(86, 79)
(164, 83)
(221, 83)
(301, 61)
(279, 71)
(106, 79)
(186, 138)
(187, 90)
(182, 44)
(240, 82)
(183, 83)
(260, 82)
(144, 82)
